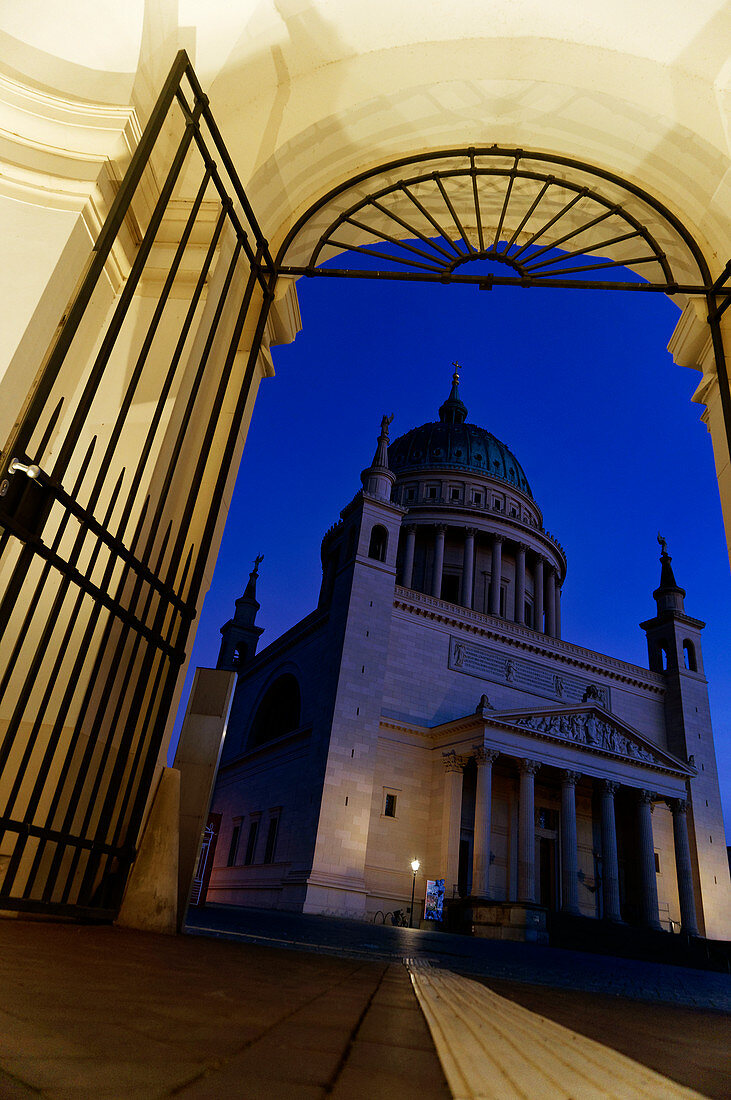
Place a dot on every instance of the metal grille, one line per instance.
(111, 488)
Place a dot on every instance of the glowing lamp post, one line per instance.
(415, 864)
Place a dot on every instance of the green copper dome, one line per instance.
(453, 443)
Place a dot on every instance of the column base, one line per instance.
(520, 921)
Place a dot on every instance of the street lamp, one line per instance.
(414, 867)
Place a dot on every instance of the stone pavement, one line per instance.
(100, 1012)
(517, 962)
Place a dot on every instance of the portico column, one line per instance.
(647, 861)
(569, 843)
(527, 832)
(451, 817)
(436, 588)
(468, 566)
(408, 570)
(610, 863)
(538, 595)
(683, 867)
(551, 603)
(497, 568)
(557, 613)
(485, 758)
(520, 583)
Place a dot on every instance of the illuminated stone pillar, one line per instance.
(527, 832)
(497, 568)
(451, 817)
(646, 854)
(610, 863)
(551, 603)
(468, 566)
(683, 867)
(569, 844)
(538, 597)
(408, 569)
(520, 583)
(485, 758)
(436, 588)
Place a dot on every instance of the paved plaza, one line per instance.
(274, 1005)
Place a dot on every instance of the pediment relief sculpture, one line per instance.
(591, 729)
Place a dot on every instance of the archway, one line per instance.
(158, 556)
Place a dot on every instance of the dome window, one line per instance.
(455, 494)
(437, 451)
(458, 454)
(477, 497)
(478, 458)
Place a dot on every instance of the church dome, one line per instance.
(452, 443)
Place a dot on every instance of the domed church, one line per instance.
(430, 708)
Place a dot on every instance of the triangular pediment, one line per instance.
(591, 728)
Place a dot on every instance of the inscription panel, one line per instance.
(485, 663)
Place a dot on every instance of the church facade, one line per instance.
(430, 708)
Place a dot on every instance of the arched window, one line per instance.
(689, 655)
(278, 712)
(379, 543)
(662, 653)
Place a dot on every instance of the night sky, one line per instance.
(580, 387)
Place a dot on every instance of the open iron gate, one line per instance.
(112, 481)
(108, 558)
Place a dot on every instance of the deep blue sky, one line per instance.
(578, 384)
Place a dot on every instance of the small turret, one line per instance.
(378, 478)
(454, 410)
(240, 635)
(669, 596)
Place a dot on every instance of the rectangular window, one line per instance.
(233, 846)
(657, 863)
(502, 602)
(251, 843)
(528, 613)
(477, 498)
(411, 494)
(271, 843)
(496, 504)
(389, 805)
(454, 494)
(431, 492)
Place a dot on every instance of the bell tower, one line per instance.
(674, 649)
(240, 635)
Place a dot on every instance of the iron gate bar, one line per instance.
(402, 187)
(454, 215)
(577, 251)
(551, 221)
(476, 199)
(486, 282)
(120, 313)
(26, 823)
(411, 228)
(612, 208)
(506, 202)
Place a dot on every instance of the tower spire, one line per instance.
(378, 478)
(454, 410)
(669, 595)
(240, 635)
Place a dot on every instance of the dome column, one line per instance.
(436, 588)
(551, 603)
(538, 596)
(497, 568)
(408, 568)
(557, 613)
(519, 614)
(468, 566)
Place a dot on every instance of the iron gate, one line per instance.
(112, 481)
(109, 559)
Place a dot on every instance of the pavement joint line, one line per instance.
(214, 1067)
(494, 1049)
